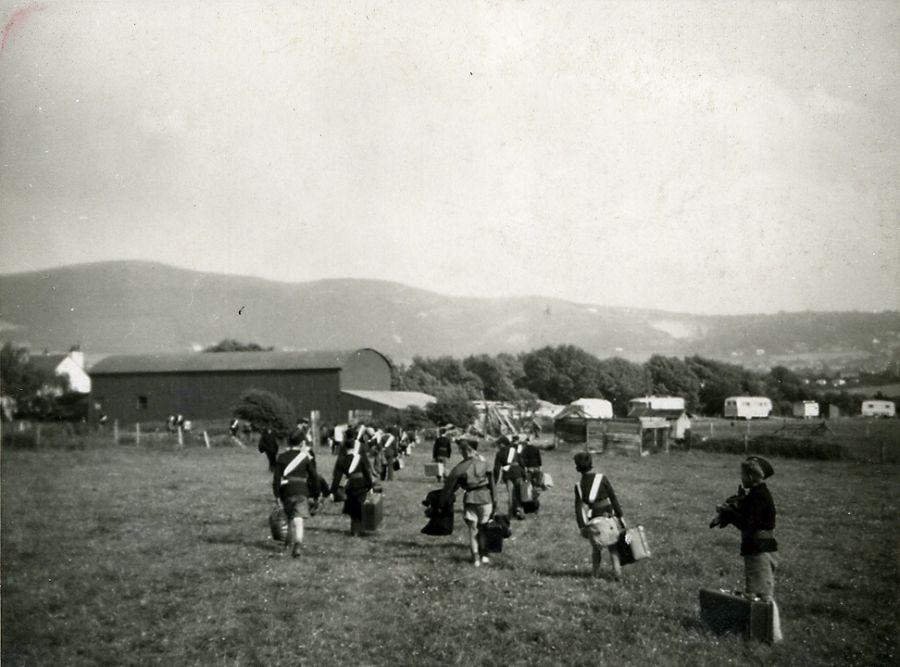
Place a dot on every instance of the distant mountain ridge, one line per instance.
(140, 307)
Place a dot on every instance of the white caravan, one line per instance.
(874, 408)
(747, 407)
(657, 403)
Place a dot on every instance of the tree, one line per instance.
(499, 375)
(436, 375)
(263, 409)
(22, 380)
(620, 380)
(561, 374)
(453, 407)
(718, 381)
(232, 345)
(670, 376)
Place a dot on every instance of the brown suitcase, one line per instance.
(372, 512)
(727, 611)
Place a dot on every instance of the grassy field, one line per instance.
(148, 555)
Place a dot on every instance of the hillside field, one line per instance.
(125, 555)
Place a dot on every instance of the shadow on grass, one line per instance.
(568, 573)
(264, 544)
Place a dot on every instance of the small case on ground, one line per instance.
(732, 611)
(372, 512)
(434, 469)
(492, 537)
(278, 524)
(632, 545)
(546, 480)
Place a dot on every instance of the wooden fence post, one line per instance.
(180, 437)
(746, 443)
(115, 431)
(137, 434)
(711, 428)
(37, 435)
(206, 439)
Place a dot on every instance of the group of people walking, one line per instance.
(368, 456)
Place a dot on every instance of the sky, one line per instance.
(693, 157)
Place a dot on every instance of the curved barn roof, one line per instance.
(205, 362)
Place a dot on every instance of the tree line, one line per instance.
(563, 373)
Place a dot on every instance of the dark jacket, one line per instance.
(754, 516)
(605, 502)
(301, 480)
(509, 462)
(443, 448)
(531, 456)
(360, 480)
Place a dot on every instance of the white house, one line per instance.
(876, 408)
(70, 364)
(806, 409)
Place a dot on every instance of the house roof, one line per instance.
(643, 411)
(47, 362)
(200, 362)
(393, 399)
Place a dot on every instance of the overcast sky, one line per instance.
(708, 158)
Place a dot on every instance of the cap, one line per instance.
(583, 461)
(765, 466)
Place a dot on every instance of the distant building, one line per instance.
(747, 407)
(678, 420)
(657, 403)
(69, 364)
(206, 385)
(806, 409)
(876, 408)
(587, 408)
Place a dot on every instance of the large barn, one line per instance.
(206, 385)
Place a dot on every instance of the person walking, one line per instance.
(508, 469)
(354, 464)
(295, 480)
(473, 475)
(442, 449)
(598, 514)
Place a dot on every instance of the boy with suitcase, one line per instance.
(752, 512)
(473, 475)
(598, 514)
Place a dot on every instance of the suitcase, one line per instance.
(727, 611)
(434, 469)
(632, 545)
(278, 524)
(372, 512)
(527, 497)
(546, 480)
(398, 464)
(492, 537)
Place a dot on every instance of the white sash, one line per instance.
(595, 489)
(297, 460)
(354, 463)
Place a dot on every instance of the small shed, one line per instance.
(805, 409)
(678, 420)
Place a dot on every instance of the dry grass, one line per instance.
(141, 556)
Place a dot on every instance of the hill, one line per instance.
(133, 306)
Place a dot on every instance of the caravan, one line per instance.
(747, 407)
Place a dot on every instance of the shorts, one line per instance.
(477, 514)
(601, 531)
(295, 507)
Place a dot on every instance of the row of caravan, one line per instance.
(735, 407)
(760, 407)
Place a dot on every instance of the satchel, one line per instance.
(278, 524)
